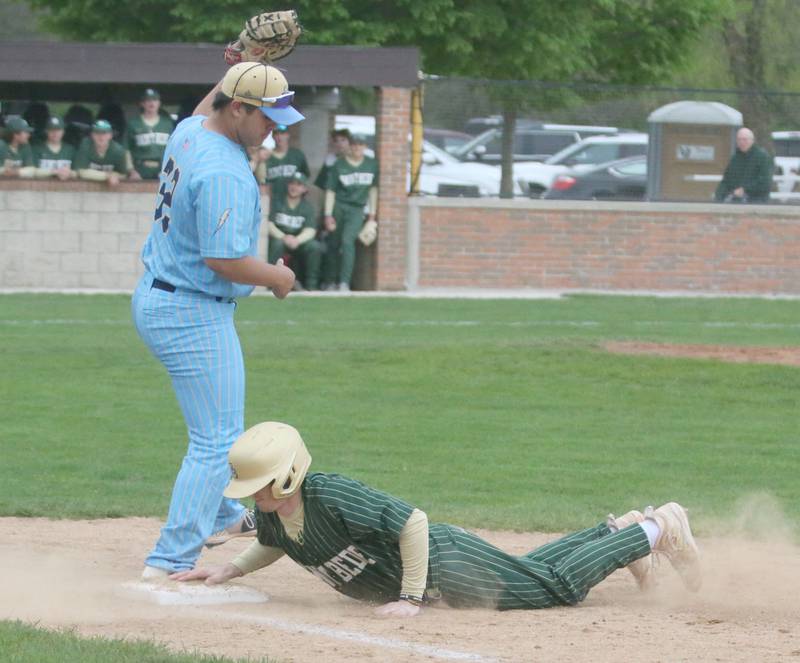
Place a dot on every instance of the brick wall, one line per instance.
(615, 246)
(75, 235)
(394, 116)
(80, 235)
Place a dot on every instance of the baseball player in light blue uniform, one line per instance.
(199, 257)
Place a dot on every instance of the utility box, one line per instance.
(690, 144)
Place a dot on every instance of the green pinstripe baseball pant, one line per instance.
(469, 572)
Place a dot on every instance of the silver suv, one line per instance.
(532, 142)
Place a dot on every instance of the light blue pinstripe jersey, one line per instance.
(208, 206)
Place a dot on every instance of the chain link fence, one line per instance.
(551, 116)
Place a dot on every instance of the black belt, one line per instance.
(158, 284)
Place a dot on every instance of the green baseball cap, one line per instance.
(150, 93)
(15, 124)
(54, 122)
(102, 126)
(298, 176)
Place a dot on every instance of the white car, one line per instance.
(441, 174)
(787, 161)
(535, 177)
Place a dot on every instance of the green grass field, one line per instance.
(22, 643)
(503, 414)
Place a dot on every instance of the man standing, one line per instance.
(284, 162)
(148, 134)
(54, 157)
(748, 177)
(352, 185)
(340, 145)
(99, 158)
(201, 255)
(292, 229)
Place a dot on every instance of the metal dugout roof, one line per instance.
(74, 71)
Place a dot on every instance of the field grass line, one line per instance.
(711, 324)
(350, 636)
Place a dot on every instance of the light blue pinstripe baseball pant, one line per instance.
(193, 335)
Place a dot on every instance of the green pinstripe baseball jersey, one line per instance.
(350, 541)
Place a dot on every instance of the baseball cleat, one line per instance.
(154, 574)
(677, 542)
(643, 569)
(245, 527)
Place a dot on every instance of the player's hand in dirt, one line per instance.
(398, 609)
(213, 575)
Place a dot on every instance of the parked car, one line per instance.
(536, 177)
(441, 174)
(622, 179)
(445, 139)
(787, 161)
(532, 141)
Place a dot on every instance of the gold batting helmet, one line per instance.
(269, 452)
(263, 86)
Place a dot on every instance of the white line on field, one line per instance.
(713, 324)
(340, 634)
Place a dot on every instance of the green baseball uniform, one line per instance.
(351, 184)
(113, 160)
(147, 142)
(19, 158)
(48, 159)
(350, 541)
(280, 169)
(291, 221)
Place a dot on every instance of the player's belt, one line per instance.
(158, 284)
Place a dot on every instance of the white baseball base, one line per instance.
(193, 593)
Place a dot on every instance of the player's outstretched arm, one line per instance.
(252, 271)
(205, 105)
(213, 575)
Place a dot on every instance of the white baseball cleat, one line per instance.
(154, 574)
(677, 542)
(643, 569)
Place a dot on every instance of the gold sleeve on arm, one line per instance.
(93, 175)
(275, 232)
(330, 201)
(414, 553)
(373, 201)
(305, 235)
(256, 557)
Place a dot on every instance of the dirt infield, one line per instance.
(70, 573)
(732, 353)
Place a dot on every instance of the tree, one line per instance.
(617, 41)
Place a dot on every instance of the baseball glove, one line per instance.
(369, 233)
(266, 37)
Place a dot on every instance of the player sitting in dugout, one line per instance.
(99, 157)
(54, 157)
(292, 229)
(16, 156)
(371, 546)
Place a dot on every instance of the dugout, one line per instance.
(183, 74)
(690, 145)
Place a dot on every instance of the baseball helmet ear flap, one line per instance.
(268, 453)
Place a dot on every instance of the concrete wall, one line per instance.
(81, 235)
(76, 235)
(604, 245)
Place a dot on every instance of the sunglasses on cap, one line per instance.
(281, 101)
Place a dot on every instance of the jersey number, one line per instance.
(173, 174)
